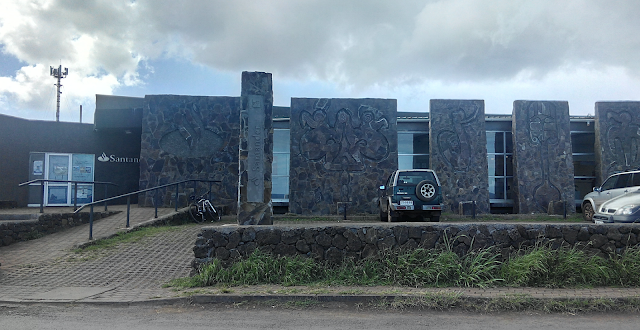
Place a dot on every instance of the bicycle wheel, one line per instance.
(210, 212)
(195, 213)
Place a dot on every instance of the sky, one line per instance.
(580, 51)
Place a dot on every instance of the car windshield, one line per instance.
(413, 178)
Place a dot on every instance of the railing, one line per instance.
(75, 187)
(155, 199)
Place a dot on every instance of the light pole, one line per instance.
(59, 74)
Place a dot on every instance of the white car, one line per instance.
(615, 185)
(625, 208)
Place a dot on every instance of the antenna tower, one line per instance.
(59, 74)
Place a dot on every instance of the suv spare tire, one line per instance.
(426, 190)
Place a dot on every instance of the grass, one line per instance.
(539, 266)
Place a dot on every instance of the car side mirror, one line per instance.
(597, 189)
(382, 187)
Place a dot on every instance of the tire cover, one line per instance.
(426, 190)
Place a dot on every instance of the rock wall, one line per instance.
(342, 150)
(458, 152)
(190, 137)
(617, 145)
(333, 243)
(543, 160)
(44, 224)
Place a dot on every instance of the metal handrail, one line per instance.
(75, 186)
(155, 204)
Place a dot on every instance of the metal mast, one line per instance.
(59, 74)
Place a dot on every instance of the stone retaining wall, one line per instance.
(333, 243)
(23, 230)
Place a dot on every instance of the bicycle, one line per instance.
(203, 210)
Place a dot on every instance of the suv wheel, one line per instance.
(587, 212)
(426, 190)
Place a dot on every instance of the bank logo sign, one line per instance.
(115, 159)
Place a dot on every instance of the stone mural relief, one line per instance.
(337, 147)
(454, 140)
(543, 159)
(190, 137)
(617, 137)
(458, 152)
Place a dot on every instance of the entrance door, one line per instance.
(57, 193)
(68, 167)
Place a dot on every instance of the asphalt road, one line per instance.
(336, 316)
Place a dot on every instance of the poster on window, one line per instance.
(82, 169)
(38, 167)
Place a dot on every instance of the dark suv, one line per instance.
(412, 193)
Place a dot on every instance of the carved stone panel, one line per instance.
(342, 150)
(190, 137)
(543, 158)
(256, 150)
(617, 130)
(458, 153)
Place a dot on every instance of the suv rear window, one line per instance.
(413, 178)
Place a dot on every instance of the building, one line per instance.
(136, 143)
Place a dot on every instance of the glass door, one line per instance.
(57, 193)
(68, 167)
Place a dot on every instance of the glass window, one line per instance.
(58, 167)
(280, 187)
(496, 165)
(509, 164)
(85, 193)
(636, 179)
(280, 164)
(508, 141)
(495, 142)
(610, 183)
(281, 140)
(421, 161)
(497, 188)
(582, 142)
(413, 150)
(500, 161)
(82, 169)
(405, 143)
(623, 180)
(405, 162)
(420, 143)
(57, 195)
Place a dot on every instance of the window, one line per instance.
(500, 159)
(584, 165)
(413, 150)
(280, 169)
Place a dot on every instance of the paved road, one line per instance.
(331, 316)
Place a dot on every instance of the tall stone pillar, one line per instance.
(617, 145)
(256, 149)
(458, 152)
(542, 155)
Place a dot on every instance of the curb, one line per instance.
(505, 303)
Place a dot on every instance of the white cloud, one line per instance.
(494, 50)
